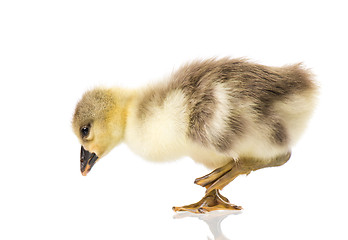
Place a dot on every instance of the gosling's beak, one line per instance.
(87, 161)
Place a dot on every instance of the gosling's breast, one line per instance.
(157, 127)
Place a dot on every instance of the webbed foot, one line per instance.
(210, 202)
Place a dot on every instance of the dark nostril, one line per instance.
(82, 154)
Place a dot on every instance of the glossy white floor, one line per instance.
(51, 52)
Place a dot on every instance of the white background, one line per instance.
(53, 51)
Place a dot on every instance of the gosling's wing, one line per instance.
(230, 100)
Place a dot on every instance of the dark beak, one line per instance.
(87, 160)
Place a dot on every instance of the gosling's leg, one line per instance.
(214, 175)
(221, 177)
(234, 169)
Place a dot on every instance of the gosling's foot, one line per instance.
(210, 202)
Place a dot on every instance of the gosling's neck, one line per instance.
(123, 99)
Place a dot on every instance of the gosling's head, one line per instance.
(99, 123)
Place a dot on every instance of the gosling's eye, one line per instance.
(85, 131)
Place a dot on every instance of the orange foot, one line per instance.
(210, 202)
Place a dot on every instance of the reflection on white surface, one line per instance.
(213, 219)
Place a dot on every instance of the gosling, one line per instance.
(230, 115)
